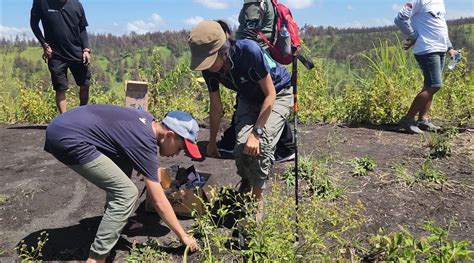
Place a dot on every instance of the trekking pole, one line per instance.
(308, 63)
(294, 83)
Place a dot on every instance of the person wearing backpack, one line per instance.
(254, 17)
(259, 16)
(264, 93)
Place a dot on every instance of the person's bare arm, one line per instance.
(86, 52)
(252, 147)
(164, 209)
(215, 116)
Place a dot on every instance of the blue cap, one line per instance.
(183, 124)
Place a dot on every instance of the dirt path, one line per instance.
(38, 193)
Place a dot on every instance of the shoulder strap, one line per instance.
(264, 38)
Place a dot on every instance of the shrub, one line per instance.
(316, 231)
(384, 86)
(315, 174)
(32, 254)
(429, 174)
(439, 146)
(148, 251)
(403, 247)
(361, 166)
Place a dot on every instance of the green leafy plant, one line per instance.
(402, 246)
(403, 175)
(149, 251)
(439, 145)
(4, 199)
(29, 254)
(228, 209)
(315, 173)
(361, 166)
(325, 230)
(378, 88)
(429, 174)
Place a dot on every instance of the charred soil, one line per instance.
(38, 193)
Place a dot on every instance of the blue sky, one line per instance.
(123, 16)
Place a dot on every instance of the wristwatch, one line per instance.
(258, 131)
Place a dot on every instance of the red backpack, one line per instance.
(284, 19)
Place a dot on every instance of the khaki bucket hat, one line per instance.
(204, 41)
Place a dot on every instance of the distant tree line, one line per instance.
(131, 55)
(342, 43)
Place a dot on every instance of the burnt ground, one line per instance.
(38, 193)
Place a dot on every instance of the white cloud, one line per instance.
(214, 4)
(396, 7)
(374, 22)
(233, 20)
(11, 33)
(298, 4)
(193, 20)
(157, 18)
(349, 8)
(141, 26)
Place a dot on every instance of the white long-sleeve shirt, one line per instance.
(424, 20)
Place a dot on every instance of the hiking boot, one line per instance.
(245, 186)
(225, 146)
(410, 125)
(284, 158)
(238, 241)
(426, 125)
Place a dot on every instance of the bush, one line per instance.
(324, 230)
(315, 174)
(385, 85)
(403, 247)
(361, 166)
(378, 89)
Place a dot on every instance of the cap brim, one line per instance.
(193, 149)
(203, 63)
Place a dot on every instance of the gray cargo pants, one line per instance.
(121, 197)
(256, 169)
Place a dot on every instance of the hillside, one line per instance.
(131, 57)
(343, 44)
(367, 191)
(353, 69)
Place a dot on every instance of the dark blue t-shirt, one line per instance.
(80, 135)
(249, 64)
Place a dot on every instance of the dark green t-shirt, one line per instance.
(257, 15)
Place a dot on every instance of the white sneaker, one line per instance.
(286, 159)
(410, 126)
(225, 150)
